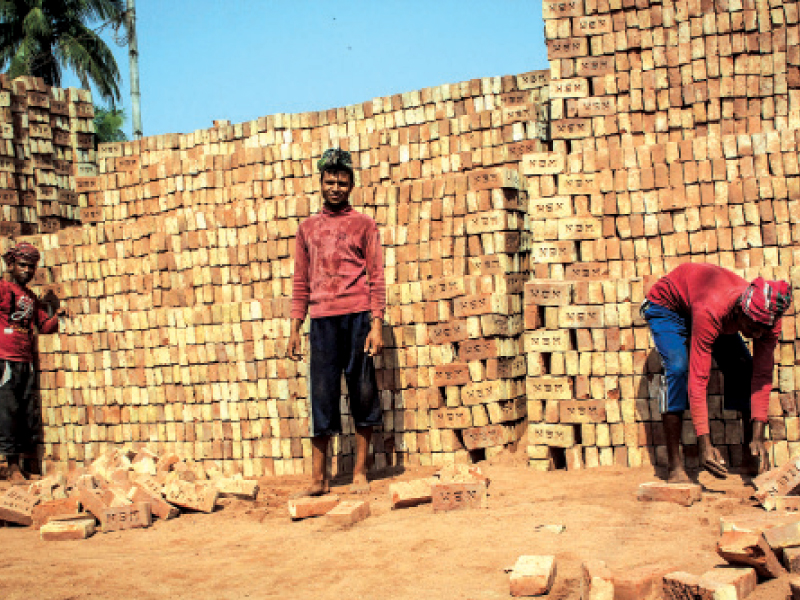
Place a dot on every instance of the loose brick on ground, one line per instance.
(533, 575)
(744, 579)
(348, 512)
(57, 531)
(313, 506)
(684, 494)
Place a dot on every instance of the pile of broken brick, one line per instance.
(123, 489)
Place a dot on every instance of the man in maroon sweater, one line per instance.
(338, 278)
(20, 311)
(697, 312)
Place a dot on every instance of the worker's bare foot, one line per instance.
(677, 475)
(15, 474)
(360, 484)
(318, 488)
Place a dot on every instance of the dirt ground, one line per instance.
(253, 550)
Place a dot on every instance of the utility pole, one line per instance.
(133, 54)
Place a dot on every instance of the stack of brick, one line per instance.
(181, 278)
(48, 144)
(674, 139)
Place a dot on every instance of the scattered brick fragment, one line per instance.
(684, 494)
(313, 506)
(348, 512)
(533, 575)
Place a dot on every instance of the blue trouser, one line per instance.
(337, 346)
(672, 334)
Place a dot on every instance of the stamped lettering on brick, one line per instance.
(452, 374)
(446, 333)
(569, 88)
(578, 184)
(592, 25)
(580, 228)
(571, 129)
(593, 66)
(546, 292)
(533, 80)
(594, 107)
(454, 496)
(580, 316)
(483, 437)
(582, 411)
(549, 388)
(568, 8)
(550, 208)
(588, 271)
(452, 418)
(542, 163)
(567, 48)
(554, 252)
(544, 434)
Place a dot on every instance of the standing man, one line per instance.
(696, 312)
(20, 310)
(338, 278)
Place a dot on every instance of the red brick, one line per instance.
(533, 575)
(16, 506)
(195, 496)
(315, 506)
(58, 531)
(133, 516)
(597, 582)
(348, 512)
(639, 582)
(411, 493)
(679, 585)
(684, 494)
(744, 579)
(457, 495)
(44, 510)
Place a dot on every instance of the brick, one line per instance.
(533, 575)
(749, 550)
(569, 88)
(477, 349)
(777, 482)
(348, 512)
(237, 488)
(570, 129)
(559, 436)
(684, 494)
(794, 587)
(452, 418)
(679, 585)
(582, 411)
(579, 228)
(457, 495)
(783, 536)
(791, 559)
(549, 388)
(488, 179)
(554, 252)
(404, 494)
(452, 374)
(315, 506)
(446, 333)
(16, 506)
(58, 531)
(545, 340)
(744, 579)
(639, 582)
(133, 516)
(194, 496)
(96, 502)
(559, 9)
(567, 48)
(591, 271)
(158, 506)
(542, 163)
(44, 510)
(483, 437)
(787, 503)
(550, 208)
(597, 581)
(545, 292)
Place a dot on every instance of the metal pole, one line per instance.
(133, 53)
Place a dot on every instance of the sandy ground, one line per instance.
(253, 550)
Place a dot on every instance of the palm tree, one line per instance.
(108, 124)
(40, 37)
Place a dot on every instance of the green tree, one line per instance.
(41, 37)
(108, 125)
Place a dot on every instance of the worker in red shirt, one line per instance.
(20, 312)
(697, 312)
(338, 278)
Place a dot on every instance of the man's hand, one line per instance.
(294, 349)
(757, 448)
(710, 458)
(374, 343)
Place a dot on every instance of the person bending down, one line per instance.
(697, 312)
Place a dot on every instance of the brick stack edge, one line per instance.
(523, 218)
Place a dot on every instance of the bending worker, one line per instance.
(697, 312)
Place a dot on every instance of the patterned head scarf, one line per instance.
(336, 159)
(22, 251)
(766, 301)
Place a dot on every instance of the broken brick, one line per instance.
(533, 575)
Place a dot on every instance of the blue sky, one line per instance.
(202, 60)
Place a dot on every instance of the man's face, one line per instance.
(336, 187)
(750, 328)
(22, 271)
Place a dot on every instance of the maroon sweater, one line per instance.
(338, 266)
(20, 310)
(707, 295)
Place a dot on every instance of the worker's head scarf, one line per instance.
(22, 251)
(336, 159)
(766, 301)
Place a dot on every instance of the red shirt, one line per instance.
(338, 266)
(707, 295)
(20, 310)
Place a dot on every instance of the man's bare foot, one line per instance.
(360, 484)
(15, 474)
(677, 475)
(317, 489)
